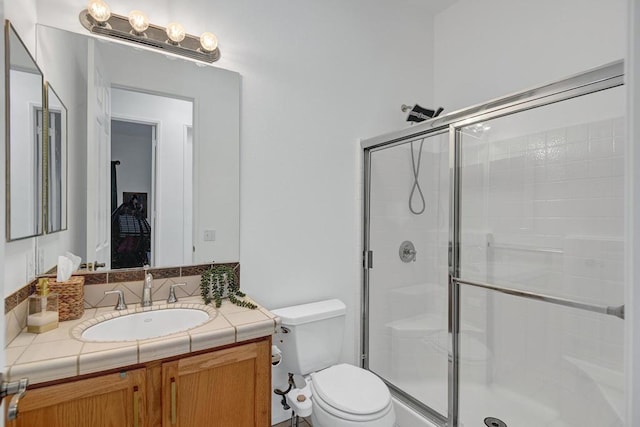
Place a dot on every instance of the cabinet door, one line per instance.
(106, 401)
(229, 387)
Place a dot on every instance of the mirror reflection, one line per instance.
(140, 189)
(173, 126)
(56, 182)
(24, 139)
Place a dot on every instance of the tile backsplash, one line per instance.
(130, 281)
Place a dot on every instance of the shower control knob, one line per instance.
(407, 251)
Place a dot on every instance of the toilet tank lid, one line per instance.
(311, 312)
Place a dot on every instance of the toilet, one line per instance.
(341, 395)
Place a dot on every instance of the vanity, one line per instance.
(215, 374)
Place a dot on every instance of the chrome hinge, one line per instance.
(363, 356)
(367, 261)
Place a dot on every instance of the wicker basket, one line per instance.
(70, 297)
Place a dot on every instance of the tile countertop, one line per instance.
(57, 354)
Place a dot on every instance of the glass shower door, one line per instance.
(408, 214)
(541, 265)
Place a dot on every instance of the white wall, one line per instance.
(23, 16)
(342, 72)
(134, 153)
(489, 48)
(171, 116)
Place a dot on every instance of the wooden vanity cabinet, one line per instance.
(227, 387)
(106, 401)
(230, 387)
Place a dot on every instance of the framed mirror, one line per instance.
(24, 139)
(55, 162)
(153, 154)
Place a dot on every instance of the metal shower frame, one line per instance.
(605, 77)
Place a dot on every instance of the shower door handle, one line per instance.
(368, 260)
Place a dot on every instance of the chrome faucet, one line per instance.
(146, 288)
(172, 293)
(120, 305)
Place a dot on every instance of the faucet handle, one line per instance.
(172, 293)
(120, 305)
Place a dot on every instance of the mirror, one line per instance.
(91, 75)
(24, 103)
(56, 162)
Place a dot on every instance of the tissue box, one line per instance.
(70, 297)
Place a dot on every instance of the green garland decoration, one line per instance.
(213, 282)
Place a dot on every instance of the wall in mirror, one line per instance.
(24, 126)
(193, 165)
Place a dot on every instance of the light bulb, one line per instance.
(139, 21)
(175, 32)
(208, 41)
(99, 11)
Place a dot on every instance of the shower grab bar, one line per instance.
(524, 248)
(617, 311)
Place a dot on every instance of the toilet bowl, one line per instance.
(346, 396)
(341, 395)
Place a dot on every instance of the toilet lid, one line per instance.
(351, 389)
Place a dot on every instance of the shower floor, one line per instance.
(479, 401)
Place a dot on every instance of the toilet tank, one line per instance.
(311, 335)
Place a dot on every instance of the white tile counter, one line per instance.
(56, 354)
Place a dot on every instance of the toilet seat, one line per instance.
(350, 393)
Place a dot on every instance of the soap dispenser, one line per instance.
(43, 309)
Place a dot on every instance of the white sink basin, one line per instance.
(144, 325)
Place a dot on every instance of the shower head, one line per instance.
(419, 114)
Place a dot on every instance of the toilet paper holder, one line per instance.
(276, 355)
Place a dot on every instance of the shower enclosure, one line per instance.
(493, 259)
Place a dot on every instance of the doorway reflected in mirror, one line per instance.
(130, 233)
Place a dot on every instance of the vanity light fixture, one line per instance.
(208, 42)
(98, 19)
(138, 21)
(175, 32)
(99, 11)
